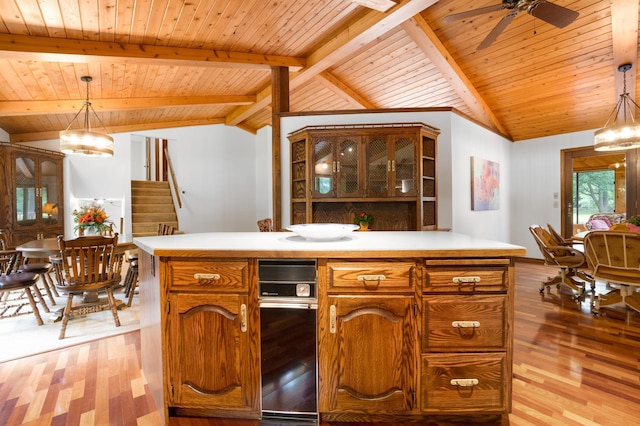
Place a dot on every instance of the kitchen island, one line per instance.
(410, 325)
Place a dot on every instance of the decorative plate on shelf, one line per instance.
(323, 231)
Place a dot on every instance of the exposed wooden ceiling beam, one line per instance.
(340, 46)
(40, 136)
(624, 35)
(20, 108)
(379, 5)
(422, 34)
(336, 85)
(84, 51)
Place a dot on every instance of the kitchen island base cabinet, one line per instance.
(210, 348)
(367, 355)
(419, 333)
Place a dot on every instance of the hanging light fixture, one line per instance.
(85, 141)
(616, 136)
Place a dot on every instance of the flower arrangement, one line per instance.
(91, 217)
(363, 217)
(634, 220)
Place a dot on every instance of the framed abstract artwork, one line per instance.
(485, 184)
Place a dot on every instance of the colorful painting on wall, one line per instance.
(485, 184)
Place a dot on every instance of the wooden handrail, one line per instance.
(173, 177)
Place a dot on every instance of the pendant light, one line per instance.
(624, 134)
(85, 141)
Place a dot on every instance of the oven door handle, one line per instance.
(289, 305)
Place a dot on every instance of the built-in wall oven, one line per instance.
(288, 307)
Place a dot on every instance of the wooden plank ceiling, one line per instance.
(169, 63)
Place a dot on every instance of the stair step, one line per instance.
(152, 208)
(154, 217)
(135, 192)
(150, 228)
(148, 184)
(151, 200)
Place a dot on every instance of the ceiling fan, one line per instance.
(555, 15)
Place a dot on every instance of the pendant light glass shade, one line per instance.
(615, 136)
(85, 141)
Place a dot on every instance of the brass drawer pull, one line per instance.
(371, 282)
(466, 280)
(467, 284)
(465, 324)
(371, 277)
(332, 319)
(243, 318)
(464, 382)
(206, 276)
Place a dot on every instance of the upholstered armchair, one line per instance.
(569, 262)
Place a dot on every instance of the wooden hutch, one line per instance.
(31, 193)
(386, 170)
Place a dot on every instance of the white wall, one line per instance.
(219, 169)
(535, 165)
(215, 167)
(471, 140)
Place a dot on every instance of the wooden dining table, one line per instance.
(43, 248)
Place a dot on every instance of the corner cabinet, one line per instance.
(32, 195)
(387, 170)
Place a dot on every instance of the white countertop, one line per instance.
(357, 244)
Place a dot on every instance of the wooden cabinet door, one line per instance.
(213, 357)
(336, 167)
(323, 167)
(404, 166)
(36, 199)
(368, 355)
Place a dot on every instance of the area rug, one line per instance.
(21, 336)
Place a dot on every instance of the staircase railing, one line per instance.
(172, 175)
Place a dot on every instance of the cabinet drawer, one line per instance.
(464, 383)
(466, 279)
(201, 275)
(464, 323)
(371, 276)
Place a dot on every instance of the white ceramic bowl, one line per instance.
(323, 231)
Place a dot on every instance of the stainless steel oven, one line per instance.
(288, 307)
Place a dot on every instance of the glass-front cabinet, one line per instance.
(33, 198)
(336, 167)
(384, 170)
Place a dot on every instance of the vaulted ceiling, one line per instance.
(170, 63)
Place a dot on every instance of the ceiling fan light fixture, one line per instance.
(85, 141)
(614, 135)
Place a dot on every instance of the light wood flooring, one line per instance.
(570, 368)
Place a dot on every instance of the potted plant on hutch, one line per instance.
(91, 220)
(363, 219)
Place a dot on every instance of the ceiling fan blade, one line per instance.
(553, 14)
(497, 30)
(471, 13)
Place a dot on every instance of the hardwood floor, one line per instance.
(570, 368)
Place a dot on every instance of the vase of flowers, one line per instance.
(363, 219)
(91, 220)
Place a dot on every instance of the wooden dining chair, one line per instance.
(43, 269)
(15, 287)
(265, 225)
(87, 265)
(164, 229)
(614, 257)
